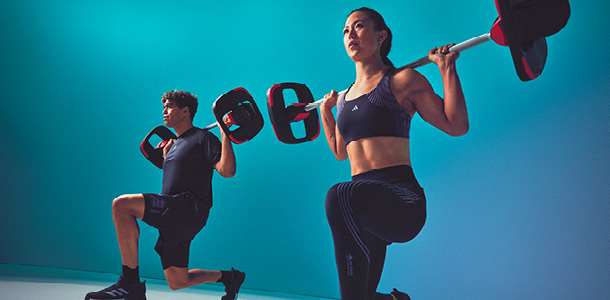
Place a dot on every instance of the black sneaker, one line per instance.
(232, 287)
(400, 295)
(120, 290)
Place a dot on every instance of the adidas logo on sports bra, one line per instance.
(355, 108)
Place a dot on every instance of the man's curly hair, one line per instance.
(182, 99)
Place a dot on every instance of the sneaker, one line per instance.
(120, 290)
(398, 295)
(232, 287)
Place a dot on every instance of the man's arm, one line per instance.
(227, 165)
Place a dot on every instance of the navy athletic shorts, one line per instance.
(178, 218)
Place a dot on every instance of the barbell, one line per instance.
(241, 110)
(522, 25)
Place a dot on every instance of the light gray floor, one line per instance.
(26, 283)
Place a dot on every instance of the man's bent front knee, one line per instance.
(128, 205)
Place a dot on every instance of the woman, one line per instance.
(383, 203)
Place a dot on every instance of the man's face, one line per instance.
(173, 115)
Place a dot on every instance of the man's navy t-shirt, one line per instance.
(189, 164)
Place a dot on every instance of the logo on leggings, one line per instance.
(350, 264)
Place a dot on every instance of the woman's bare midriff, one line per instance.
(378, 152)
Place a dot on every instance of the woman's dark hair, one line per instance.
(379, 26)
(182, 99)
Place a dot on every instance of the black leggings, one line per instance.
(367, 214)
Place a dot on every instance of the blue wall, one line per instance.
(518, 208)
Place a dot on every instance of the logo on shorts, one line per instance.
(159, 206)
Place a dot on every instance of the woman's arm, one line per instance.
(333, 137)
(450, 114)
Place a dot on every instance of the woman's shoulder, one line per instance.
(406, 75)
(407, 80)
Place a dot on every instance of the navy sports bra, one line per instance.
(377, 113)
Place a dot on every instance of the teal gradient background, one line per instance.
(518, 207)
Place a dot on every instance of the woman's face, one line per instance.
(360, 38)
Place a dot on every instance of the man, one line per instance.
(180, 211)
